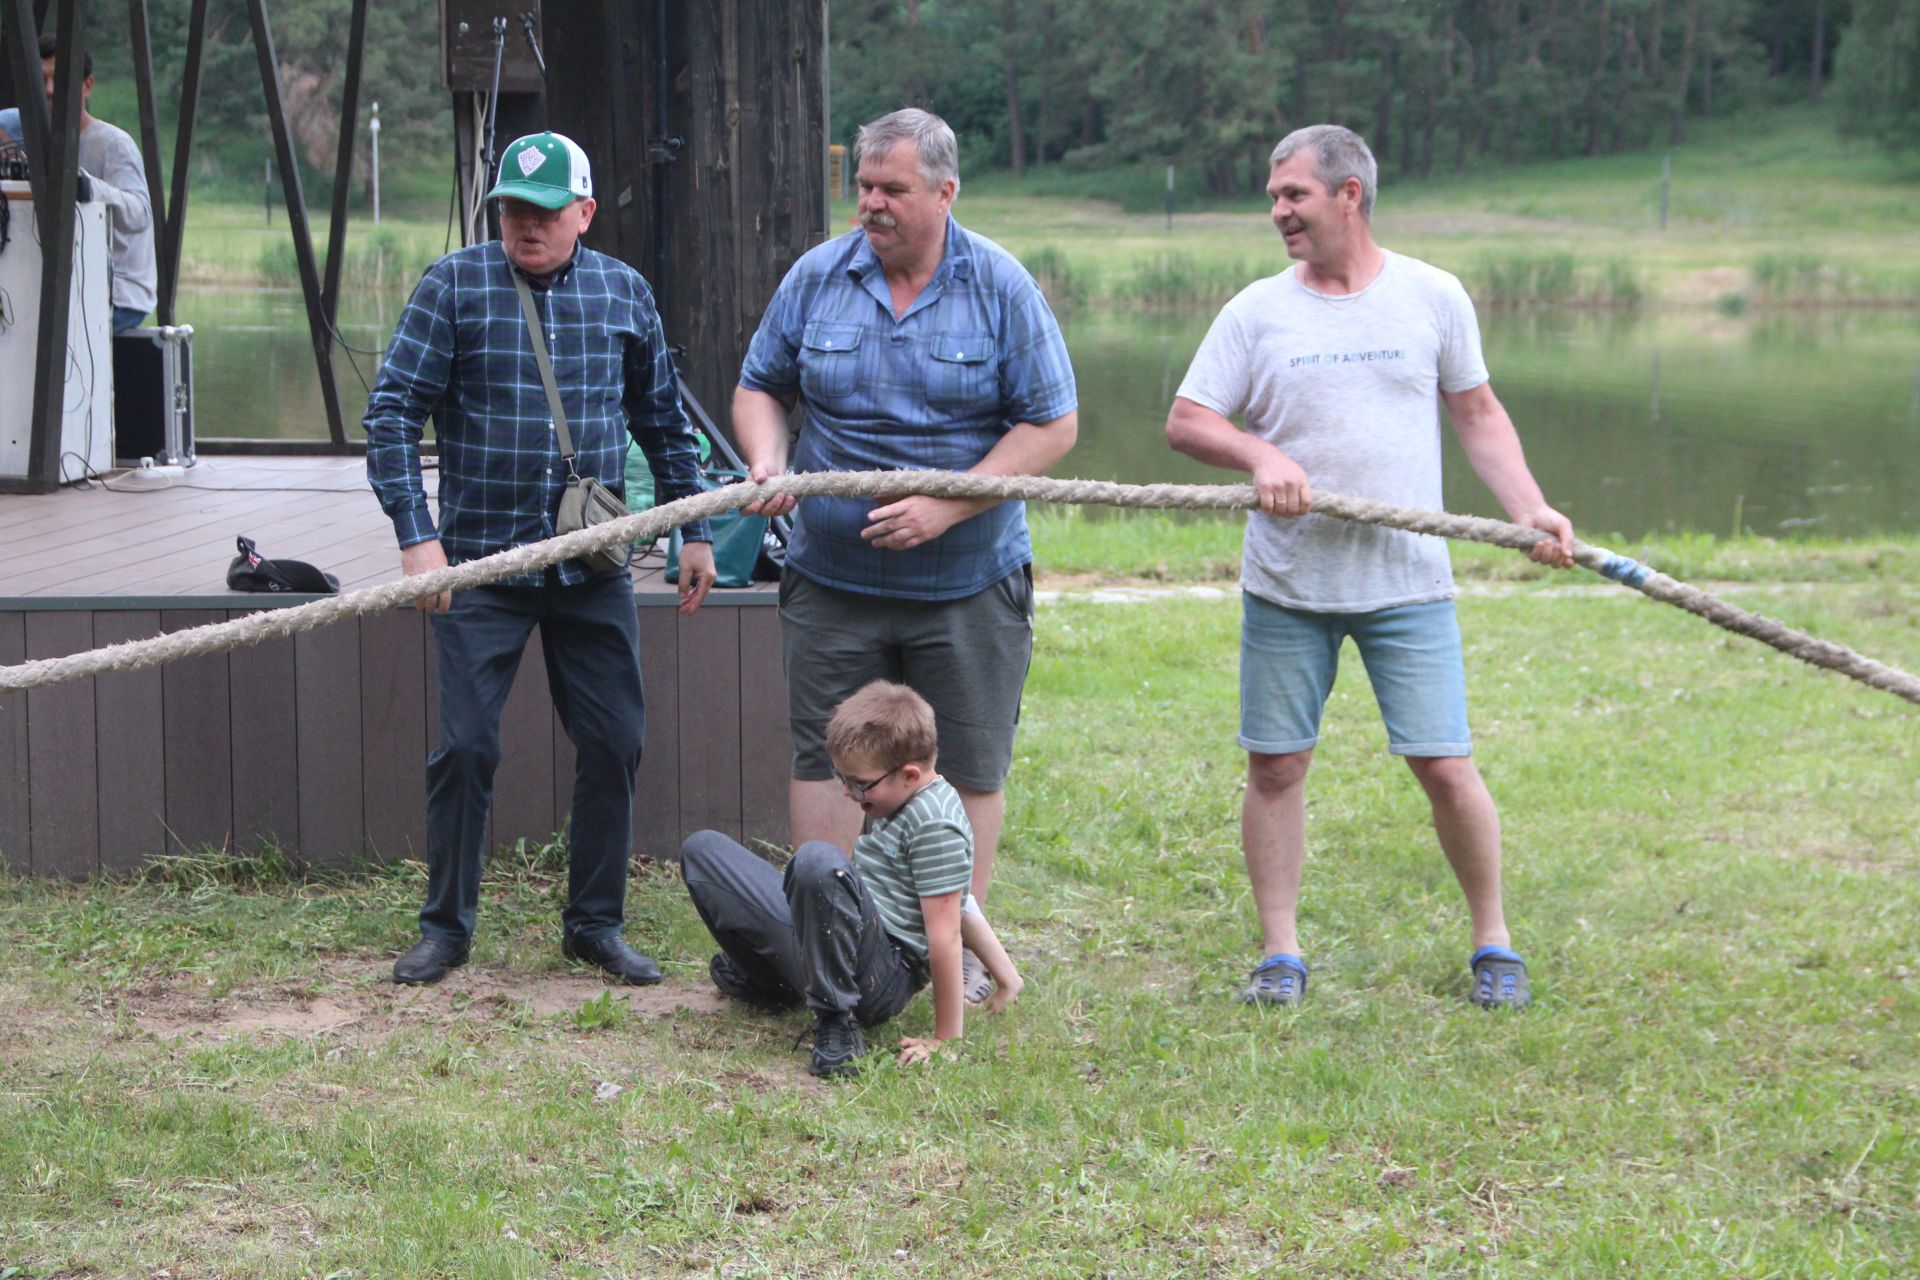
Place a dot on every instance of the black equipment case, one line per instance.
(153, 396)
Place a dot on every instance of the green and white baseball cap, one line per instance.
(547, 169)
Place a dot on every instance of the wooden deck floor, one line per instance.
(319, 742)
(107, 546)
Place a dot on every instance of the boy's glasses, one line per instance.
(857, 787)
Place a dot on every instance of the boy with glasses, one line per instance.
(854, 941)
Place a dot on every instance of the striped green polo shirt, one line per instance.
(925, 849)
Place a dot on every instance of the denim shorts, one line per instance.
(1288, 659)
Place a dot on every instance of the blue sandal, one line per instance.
(1280, 979)
(1500, 979)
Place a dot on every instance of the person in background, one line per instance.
(114, 176)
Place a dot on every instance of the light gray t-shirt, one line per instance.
(1348, 387)
(109, 155)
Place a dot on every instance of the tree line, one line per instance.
(1094, 84)
(400, 71)
(1433, 84)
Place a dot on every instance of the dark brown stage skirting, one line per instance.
(319, 742)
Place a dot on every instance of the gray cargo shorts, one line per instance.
(968, 658)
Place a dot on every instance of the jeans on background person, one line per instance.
(590, 638)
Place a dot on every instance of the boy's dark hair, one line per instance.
(50, 47)
(884, 723)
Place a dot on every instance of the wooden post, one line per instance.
(467, 61)
(746, 92)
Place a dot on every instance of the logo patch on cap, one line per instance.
(530, 159)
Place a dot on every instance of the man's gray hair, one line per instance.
(939, 152)
(1338, 154)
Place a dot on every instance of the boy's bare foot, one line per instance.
(1004, 994)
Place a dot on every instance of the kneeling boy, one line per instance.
(855, 940)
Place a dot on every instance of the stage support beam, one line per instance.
(150, 140)
(317, 323)
(343, 167)
(53, 142)
(169, 248)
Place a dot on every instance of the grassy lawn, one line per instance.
(1744, 229)
(1743, 224)
(1711, 868)
(238, 245)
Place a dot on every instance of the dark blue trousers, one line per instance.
(591, 640)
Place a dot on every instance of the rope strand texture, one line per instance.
(890, 485)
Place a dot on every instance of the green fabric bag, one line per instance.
(740, 556)
(640, 475)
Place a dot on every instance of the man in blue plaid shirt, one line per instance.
(910, 343)
(462, 354)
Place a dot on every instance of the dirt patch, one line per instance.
(353, 1003)
(300, 1020)
(1123, 588)
(1071, 583)
(22, 1021)
(545, 996)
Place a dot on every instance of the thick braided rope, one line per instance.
(272, 623)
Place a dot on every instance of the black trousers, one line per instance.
(591, 639)
(811, 931)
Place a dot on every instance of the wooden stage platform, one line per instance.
(320, 742)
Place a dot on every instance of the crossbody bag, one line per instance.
(586, 502)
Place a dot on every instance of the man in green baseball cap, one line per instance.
(462, 354)
(548, 169)
(545, 192)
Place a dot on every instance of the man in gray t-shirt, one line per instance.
(1338, 367)
(111, 162)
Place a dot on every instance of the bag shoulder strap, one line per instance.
(546, 366)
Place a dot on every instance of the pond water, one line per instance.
(1634, 424)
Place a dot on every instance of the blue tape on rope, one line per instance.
(1622, 569)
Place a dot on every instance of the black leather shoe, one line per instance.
(429, 961)
(612, 956)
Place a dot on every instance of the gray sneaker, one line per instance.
(976, 984)
(838, 1045)
(1500, 979)
(1277, 980)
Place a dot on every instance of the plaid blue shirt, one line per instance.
(976, 354)
(461, 353)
